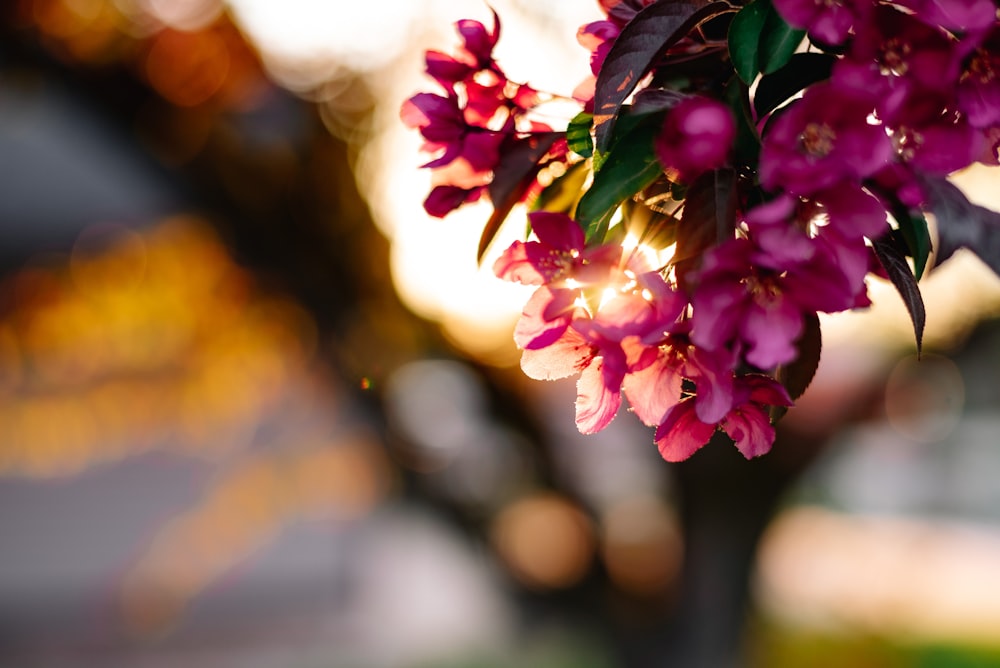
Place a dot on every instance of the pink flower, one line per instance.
(682, 433)
(895, 59)
(832, 226)
(559, 253)
(697, 136)
(979, 84)
(481, 119)
(655, 382)
(822, 140)
(828, 21)
(954, 15)
(740, 302)
(475, 54)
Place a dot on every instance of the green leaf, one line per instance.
(802, 70)
(631, 165)
(651, 217)
(894, 261)
(778, 42)
(913, 228)
(747, 144)
(578, 135)
(564, 192)
(744, 38)
(642, 41)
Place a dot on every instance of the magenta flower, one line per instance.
(895, 58)
(442, 123)
(682, 433)
(961, 16)
(475, 54)
(738, 302)
(571, 324)
(822, 140)
(828, 21)
(603, 348)
(655, 382)
(559, 253)
(790, 231)
(979, 83)
(941, 146)
(697, 135)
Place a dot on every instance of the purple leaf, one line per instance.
(641, 42)
(708, 219)
(894, 261)
(799, 373)
(511, 179)
(962, 224)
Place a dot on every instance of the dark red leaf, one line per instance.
(642, 41)
(894, 261)
(707, 219)
(798, 374)
(962, 224)
(511, 180)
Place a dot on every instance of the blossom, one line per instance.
(697, 135)
(822, 140)
(655, 382)
(474, 55)
(790, 231)
(828, 21)
(895, 59)
(481, 117)
(591, 314)
(979, 84)
(954, 15)
(694, 344)
(936, 143)
(559, 253)
(739, 302)
(682, 432)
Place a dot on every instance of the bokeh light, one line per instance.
(545, 540)
(161, 340)
(642, 546)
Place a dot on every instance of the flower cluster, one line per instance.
(481, 117)
(749, 167)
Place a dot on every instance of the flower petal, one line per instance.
(681, 433)
(597, 400)
(750, 429)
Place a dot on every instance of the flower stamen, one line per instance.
(817, 140)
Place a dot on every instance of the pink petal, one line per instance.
(563, 358)
(534, 329)
(596, 401)
(652, 391)
(750, 429)
(771, 331)
(681, 433)
(713, 377)
(513, 265)
(557, 230)
(766, 390)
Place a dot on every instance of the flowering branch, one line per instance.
(707, 203)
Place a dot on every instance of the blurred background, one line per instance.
(256, 409)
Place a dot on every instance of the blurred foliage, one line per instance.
(777, 646)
